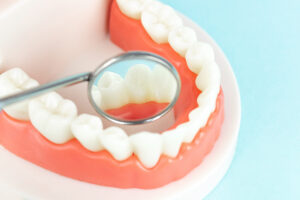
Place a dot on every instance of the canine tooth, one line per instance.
(133, 8)
(199, 55)
(158, 20)
(52, 115)
(116, 141)
(113, 91)
(208, 76)
(164, 84)
(139, 84)
(172, 141)
(148, 147)
(181, 39)
(13, 81)
(87, 128)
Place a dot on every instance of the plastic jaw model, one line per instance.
(48, 40)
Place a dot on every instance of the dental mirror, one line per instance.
(132, 88)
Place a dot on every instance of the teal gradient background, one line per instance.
(261, 39)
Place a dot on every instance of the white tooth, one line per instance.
(96, 95)
(133, 8)
(13, 81)
(164, 84)
(148, 147)
(139, 84)
(172, 141)
(116, 141)
(199, 55)
(208, 76)
(193, 126)
(181, 39)
(87, 129)
(208, 97)
(52, 115)
(113, 91)
(159, 20)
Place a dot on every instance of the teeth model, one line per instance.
(14, 81)
(133, 8)
(52, 116)
(158, 20)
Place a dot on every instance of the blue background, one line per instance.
(261, 39)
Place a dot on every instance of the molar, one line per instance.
(148, 147)
(158, 20)
(116, 141)
(13, 81)
(113, 91)
(52, 115)
(86, 129)
(133, 8)
(181, 39)
(199, 55)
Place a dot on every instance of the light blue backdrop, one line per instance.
(261, 39)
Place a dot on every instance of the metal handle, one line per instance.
(44, 89)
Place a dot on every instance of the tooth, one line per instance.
(96, 95)
(13, 81)
(208, 97)
(172, 141)
(52, 115)
(164, 84)
(199, 55)
(87, 129)
(197, 120)
(208, 76)
(113, 91)
(139, 84)
(133, 8)
(181, 39)
(116, 141)
(159, 20)
(148, 147)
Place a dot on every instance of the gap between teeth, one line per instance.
(148, 147)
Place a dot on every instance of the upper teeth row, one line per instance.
(141, 84)
(56, 118)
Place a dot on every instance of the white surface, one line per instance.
(32, 182)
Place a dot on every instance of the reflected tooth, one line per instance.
(133, 8)
(181, 39)
(159, 20)
(52, 115)
(116, 141)
(87, 128)
(199, 55)
(139, 84)
(148, 147)
(208, 76)
(164, 84)
(13, 81)
(172, 141)
(113, 91)
(96, 95)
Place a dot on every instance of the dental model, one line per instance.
(77, 146)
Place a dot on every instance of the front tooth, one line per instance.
(199, 55)
(113, 91)
(208, 76)
(52, 115)
(164, 84)
(87, 129)
(13, 81)
(133, 8)
(148, 147)
(172, 141)
(139, 84)
(159, 20)
(116, 141)
(181, 39)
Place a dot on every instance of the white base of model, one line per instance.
(20, 179)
